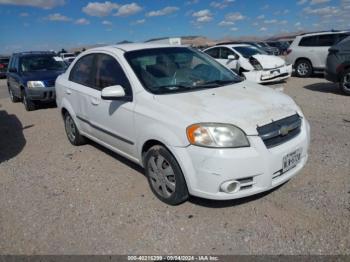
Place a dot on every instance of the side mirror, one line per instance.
(12, 70)
(113, 93)
(232, 57)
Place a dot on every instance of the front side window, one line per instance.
(82, 72)
(33, 63)
(225, 52)
(248, 51)
(178, 69)
(110, 73)
(326, 40)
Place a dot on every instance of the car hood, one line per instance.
(245, 105)
(269, 61)
(41, 75)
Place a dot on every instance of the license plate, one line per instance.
(291, 160)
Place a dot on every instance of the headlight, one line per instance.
(35, 84)
(216, 135)
(255, 63)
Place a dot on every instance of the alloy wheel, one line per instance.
(303, 69)
(346, 82)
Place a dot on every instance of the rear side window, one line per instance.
(110, 73)
(308, 41)
(82, 72)
(214, 52)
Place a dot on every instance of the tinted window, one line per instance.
(214, 52)
(110, 73)
(308, 41)
(82, 72)
(326, 40)
(225, 52)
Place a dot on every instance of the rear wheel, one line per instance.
(303, 68)
(345, 82)
(28, 103)
(165, 176)
(14, 99)
(73, 134)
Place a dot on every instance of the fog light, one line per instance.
(230, 187)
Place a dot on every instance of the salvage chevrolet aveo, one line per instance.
(194, 125)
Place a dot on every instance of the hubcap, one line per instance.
(346, 82)
(303, 69)
(70, 128)
(162, 176)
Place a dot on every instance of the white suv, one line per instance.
(194, 125)
(308, 52)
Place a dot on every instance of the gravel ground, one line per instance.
(60, 199)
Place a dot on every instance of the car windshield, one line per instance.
(248, 51)
(42, 63)
(178, 69)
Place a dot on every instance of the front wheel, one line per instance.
(28, 104)
(165, 176)
(345, 82)
(303, 68)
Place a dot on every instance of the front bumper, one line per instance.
(45, 94)
(269, 76)
(206, 169)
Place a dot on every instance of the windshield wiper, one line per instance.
(170, 88)
(216, 83)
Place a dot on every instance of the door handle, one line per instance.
(68, 92)
(95, 101)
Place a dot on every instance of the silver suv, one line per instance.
(308, 52)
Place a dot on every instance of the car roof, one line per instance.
(233, 45)
(133, 47)
(34, 53)
(323, 33)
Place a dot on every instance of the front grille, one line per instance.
(281, 131)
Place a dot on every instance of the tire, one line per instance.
(165, 176)
(345, 82)
(303, 68)
(72, 132)
(28, 104)
(14, 99)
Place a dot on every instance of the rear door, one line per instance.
(112, 120)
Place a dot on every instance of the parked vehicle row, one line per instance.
(166, 109)
(251, 62)
(4, 61)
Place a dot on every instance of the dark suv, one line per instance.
(31, 77)
(338, 65)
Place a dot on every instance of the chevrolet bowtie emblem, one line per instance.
(284, 130)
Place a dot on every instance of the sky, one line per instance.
(55, 24)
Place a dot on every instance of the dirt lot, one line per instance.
(60, 199)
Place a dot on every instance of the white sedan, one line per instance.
(194, 125)
(251, 62)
